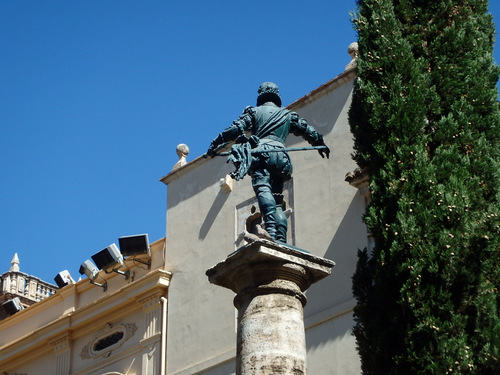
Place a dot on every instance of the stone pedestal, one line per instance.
(269, 280)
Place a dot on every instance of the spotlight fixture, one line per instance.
(91, 271)
(108, 258)
(63, 278)
(135, 245)
(12, 306)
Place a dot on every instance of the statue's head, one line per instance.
(268, 92)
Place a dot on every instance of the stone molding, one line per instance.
(150, 302)
(60, 344)
(126, 329)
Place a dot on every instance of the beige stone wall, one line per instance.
(202, 222)
(200, 231)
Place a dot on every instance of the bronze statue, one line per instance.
(263, 155)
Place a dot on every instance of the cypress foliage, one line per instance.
(426, 125)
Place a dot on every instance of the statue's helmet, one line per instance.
(268, 92)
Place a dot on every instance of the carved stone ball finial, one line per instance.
(352, 50)
(182, 151)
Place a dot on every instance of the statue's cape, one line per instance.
(241, 157)
(276, 120)
(241, 151)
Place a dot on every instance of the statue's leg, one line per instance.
(281, 219)
(267, 204)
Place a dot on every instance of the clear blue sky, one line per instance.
(96, 95)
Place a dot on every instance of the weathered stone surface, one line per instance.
(271, 337)
(269, 280)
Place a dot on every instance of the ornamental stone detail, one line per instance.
(60, 344)
(150, 302)
(111, 338)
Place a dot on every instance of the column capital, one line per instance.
(150, 301)
(61, 343)
(262, 262)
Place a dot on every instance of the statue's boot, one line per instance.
(281, 219)
(267, 206)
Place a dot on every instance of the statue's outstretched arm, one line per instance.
(300, 127)
(233, 131)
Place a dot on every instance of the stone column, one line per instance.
(269, 280)
(151, 348)
(62, 351)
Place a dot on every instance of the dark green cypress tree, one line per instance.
(426, 125)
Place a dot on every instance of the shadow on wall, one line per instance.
(213, 213)
(318, 337)
(206, 173)
(324, 113)
(336, 289)
(226, 368)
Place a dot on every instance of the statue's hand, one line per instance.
(210, 152)
(215, 146)
(325, 151)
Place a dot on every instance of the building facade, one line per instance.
(84, 329)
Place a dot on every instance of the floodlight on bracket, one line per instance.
(146, 262)
(124, 273)
(63, 278)
(12, 306)
(109, 257)
(138, 244)
(91, 271)
(104, 285)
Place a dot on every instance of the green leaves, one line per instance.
(426, 124)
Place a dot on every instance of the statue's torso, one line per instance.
(271, 122)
